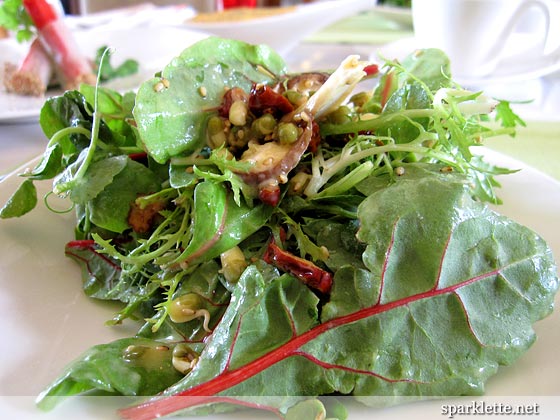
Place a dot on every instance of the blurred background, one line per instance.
(90, 6)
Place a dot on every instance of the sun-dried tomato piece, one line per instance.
(313, 276)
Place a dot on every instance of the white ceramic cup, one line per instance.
(474, 33)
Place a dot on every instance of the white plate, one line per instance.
(153, 47)
(283, 31)
(47, 321)
(518, 63)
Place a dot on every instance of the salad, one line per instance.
(282, 237)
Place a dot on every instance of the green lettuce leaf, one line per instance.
(171, 119)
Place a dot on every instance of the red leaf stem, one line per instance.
(87, 245)
(326, 365)
(81, 244)
(176, 403)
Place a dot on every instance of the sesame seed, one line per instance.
(158, 87)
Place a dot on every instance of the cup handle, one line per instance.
(495, 51)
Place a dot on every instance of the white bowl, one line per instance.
(283, 31)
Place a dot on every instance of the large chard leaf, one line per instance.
(450, 292)
(171, 117)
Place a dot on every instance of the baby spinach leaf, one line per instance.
(450, 293)
(179, 177)
(410, 96)
(22, 201)
(340, 240)
(67, 110)
(97, 177)
(110, 103)
(105, 278)
(130, 366)
(111, 206)
(116, 111)
(171, 111)
(50, 164)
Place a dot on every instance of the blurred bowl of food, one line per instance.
(281, 28)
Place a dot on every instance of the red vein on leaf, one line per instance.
(233, 341)
(89, 246)
(231, 378)
(289, 314)
(471, 329)
(236, 335)
(443, 255)
(386, 261)
(327, 365)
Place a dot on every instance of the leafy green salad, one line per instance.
(283, 237)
